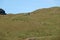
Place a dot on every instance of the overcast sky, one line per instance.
(21, 6)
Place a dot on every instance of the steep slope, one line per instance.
(42, 23)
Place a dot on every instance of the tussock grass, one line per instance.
(40, 23)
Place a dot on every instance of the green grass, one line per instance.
(43, 24)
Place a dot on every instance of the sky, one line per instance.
(23, 6)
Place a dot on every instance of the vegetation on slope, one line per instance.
(42, 23)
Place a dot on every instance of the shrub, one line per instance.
(2, 12)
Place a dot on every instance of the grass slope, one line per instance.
(42, 24)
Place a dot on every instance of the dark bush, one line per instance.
(2, 12)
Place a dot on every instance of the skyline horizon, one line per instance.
(24, 6)
(32, 10)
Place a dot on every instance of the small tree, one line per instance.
(2, 12)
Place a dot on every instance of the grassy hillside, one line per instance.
(41, 24)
